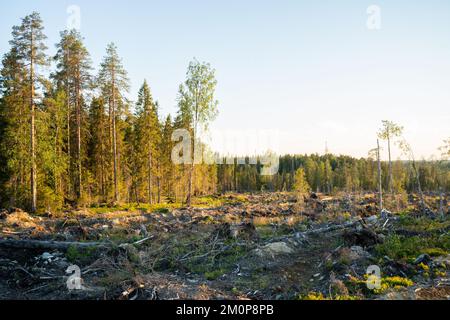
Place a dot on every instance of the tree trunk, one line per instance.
(380, 185)
(419, 185)
(78, 102)
(158, 182)
(69, 180)
(116, 191)
(150, 199)
(32, 131)
(390, 164)
(191, 167)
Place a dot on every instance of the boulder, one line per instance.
(273, 249)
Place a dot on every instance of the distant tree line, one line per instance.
(330, 173)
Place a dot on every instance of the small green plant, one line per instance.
(408, 248)
(386, 283)
(213, 275)
(320, 296)
(80, 256)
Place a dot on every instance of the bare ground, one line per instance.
(260, 246)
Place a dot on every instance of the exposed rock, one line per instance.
(273, 249)
(372, 219)
(357, 253)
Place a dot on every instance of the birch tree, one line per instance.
(388, 132)
(198, 103)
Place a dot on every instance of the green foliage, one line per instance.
(80, 256)
(103, 153)
(408, 248)
(320, 296)
(386, 283)
(301, 185)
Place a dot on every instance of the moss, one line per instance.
(80, 256)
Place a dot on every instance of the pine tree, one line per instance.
(15, 131)
(147, 141)
(73, 76)
(113, 81)
(99, 154)
(53, 121)
(301, 185)
(166, 147)
(389, 131)
(28, 42)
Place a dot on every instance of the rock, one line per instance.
(46, 256)
(372, 219)
(273, 249)
(357, 252)
(423, 258)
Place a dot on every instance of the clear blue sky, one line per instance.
(310, 70)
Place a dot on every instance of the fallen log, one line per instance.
(47, 245)
(335, 227)
(61, 245)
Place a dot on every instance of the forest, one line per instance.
(87, 178)
(72, 138)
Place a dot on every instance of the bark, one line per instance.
(32, 131)
(150, 200)
(46, 245)
(380, 186)
(78, 102)
(116, 191)
(390, 163)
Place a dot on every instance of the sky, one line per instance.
(293, 76)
